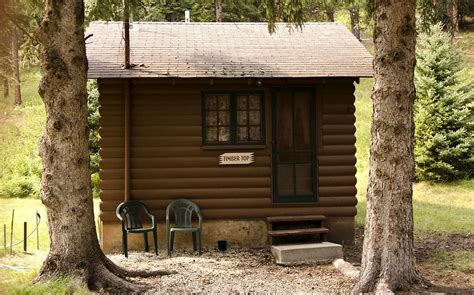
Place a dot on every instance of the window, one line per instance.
(233, 118)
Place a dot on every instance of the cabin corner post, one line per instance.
(126, 189)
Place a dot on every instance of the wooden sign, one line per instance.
(236, 159)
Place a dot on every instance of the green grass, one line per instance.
(447, 261)
(437, 208)
(25, 211)
(19, 282)
(465, 42)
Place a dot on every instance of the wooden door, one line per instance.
(294, 151)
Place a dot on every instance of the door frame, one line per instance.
(295, 199)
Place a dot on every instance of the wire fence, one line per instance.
(26, 235)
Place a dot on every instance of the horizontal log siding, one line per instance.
(336, 145)
(111, 98)
(168, 162)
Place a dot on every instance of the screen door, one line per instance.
(294, 153)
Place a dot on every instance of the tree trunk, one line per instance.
(5, 47)
(453, 14)
(388, 261)
(218, 10)
(171, 14)
(16, 69)
(355, 21)
(6, 88)
(329, 14)
(126, 33)
(66, 183)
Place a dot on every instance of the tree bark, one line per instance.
(6, 88)
(218, 10)
(126, 33)
(355, 21)
(16, 68)
(66, 184)
(388, 261)
(5, 47)
(453, 13)
(329, 14)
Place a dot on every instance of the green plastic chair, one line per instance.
(132, 214)
(183, 210)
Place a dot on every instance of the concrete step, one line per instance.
(293, 232)
(324, 252)
(273, 219)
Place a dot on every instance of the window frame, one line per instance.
(233, 109)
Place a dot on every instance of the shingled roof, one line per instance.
(226, 50)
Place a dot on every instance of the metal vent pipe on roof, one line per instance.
(187, 16)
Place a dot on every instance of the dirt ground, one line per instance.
(253, 270)
(240, 271)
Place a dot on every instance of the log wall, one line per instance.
(168, 161)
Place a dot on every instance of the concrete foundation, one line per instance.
(238, 233)
(324, 252)
(341, 230)
(245, 233)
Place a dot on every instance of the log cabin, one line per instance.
(247, 124)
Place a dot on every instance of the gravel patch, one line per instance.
(249, 271)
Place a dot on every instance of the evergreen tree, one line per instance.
(355, 7)
(443, 136)
(450, 13)
(432, 12)
(243, 11)
(173, 10)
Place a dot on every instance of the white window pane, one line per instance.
(211, 102)
(242, 118)
(211, 134)
(224, 102)
(224, 119)
(255, 133)
(254, 102)
(224, 134)
(242, 102)
(242, 134)
(254, 118)
(211, 118)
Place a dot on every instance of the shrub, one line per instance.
(443, 134)
(93, 118)
(95, 184)
(20, 133)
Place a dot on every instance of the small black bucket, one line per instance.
(222, 245)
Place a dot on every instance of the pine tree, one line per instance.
(443, 135)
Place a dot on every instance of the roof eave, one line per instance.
(134, 76)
